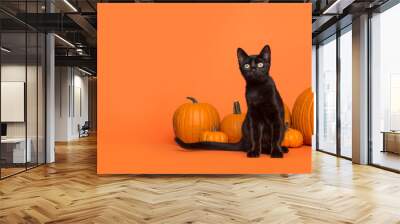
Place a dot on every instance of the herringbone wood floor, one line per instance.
(69, 191)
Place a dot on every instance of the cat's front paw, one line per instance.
(253, 154)
(285, 149)
(276, 154)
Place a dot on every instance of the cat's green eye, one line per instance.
(246, 66)
(260, 65)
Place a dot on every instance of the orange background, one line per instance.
(151, 56)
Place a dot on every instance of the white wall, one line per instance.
(81, 84)
(12, 73)
(62, 81)
(71, 102)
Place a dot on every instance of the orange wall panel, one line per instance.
(151, 56)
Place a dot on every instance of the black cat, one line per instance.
(263, 128)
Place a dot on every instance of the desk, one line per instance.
(391, 141)
(13, 150)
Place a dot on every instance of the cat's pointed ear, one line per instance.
(266, 53)
(241, 54)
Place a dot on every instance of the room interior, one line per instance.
(22, 102)
(49, 103)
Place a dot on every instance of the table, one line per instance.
(391, 141)
(13, 150)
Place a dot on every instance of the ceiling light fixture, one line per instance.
(84, 71)
(65, 41)
(79, 51)
(70, 5)
(5, 50)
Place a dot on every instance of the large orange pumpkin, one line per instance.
(293, 138)
(213, 136)
(303, 115)
(191, 119)
(287, 116)
(231, 125)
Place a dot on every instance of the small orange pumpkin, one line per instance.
(231, 125)
(191, 119)
(213, 136)
(293, 138)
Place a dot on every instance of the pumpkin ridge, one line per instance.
(303, 114)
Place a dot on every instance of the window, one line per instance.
(385, 89)
(346, 92)
(334, 58)
(327, 95)
(22, 78)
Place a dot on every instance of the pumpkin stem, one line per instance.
(236, 108)
(192, 99)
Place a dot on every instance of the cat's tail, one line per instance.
(212, 145)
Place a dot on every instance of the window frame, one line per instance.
(337, 35)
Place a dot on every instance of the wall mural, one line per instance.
(204, 88)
